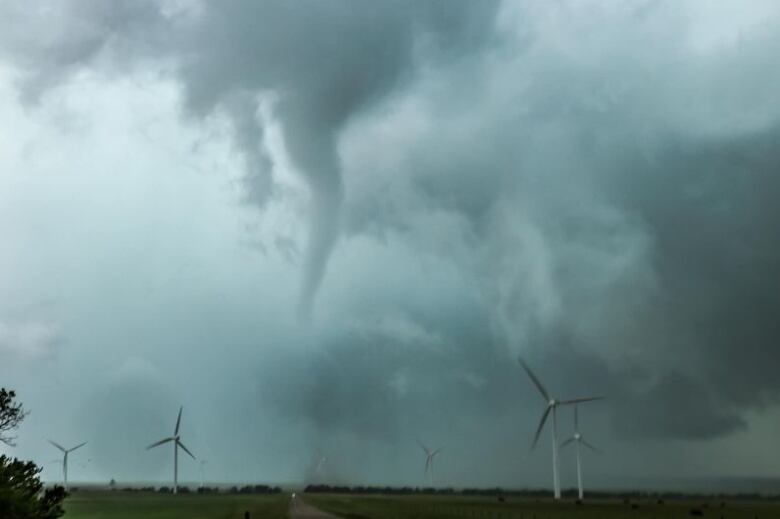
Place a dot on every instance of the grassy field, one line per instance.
(125, 505)
(415, 507)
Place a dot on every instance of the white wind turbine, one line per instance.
(65, 459)
(429, 455)
(552, 405)
(176, 439)
(320, 462)
(202, 473)
(578, 439)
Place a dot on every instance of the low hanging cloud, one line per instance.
(30, 341)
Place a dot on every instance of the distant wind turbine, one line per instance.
(320, 462)
(552, 405)
(176, 439)
(578, 439)
(429, 455)
(65, 459)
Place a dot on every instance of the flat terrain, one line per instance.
(124, 505)
(419, 507)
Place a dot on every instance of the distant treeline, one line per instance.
(246, 489)
(659, 497)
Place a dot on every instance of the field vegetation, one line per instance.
(94, 504)
(508, 507)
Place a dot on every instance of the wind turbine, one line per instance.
(202, 473)
(65, 459)
(429, 455)
(320, 462)
(552, 405)
(176, 439)
(578, 439)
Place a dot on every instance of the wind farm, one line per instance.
(433, 500)
(436, 498)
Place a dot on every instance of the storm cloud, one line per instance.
(591, 185)
(324, 63)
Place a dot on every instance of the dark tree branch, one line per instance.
(11, 415)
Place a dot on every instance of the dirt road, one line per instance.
(300, 510)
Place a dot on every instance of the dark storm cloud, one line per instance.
(710, 205)
(388, 377)
(658, 237)
(608, 193)
(326, 62)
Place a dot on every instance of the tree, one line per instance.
(11, 415)
(22, 495)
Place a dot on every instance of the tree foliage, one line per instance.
(22, 495)
(11, 415)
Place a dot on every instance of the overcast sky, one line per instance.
(334, 226)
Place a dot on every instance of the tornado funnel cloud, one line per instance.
(323, 234)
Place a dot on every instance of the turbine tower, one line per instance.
(578, 439)
(429, 455)
(552, 405)
(65, 459)
(176, 439)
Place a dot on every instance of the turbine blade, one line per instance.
(591, 447)
(580, 400)
(186, 449)
(541, 425)
(77, 447)
(434, 453)
(567, 442)
(166, 440)
(60, 447)
(535, 380)
(178, 421)
(423, 447)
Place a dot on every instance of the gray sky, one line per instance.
(333, 227)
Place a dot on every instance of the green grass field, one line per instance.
(124, 505)
(414, 507)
